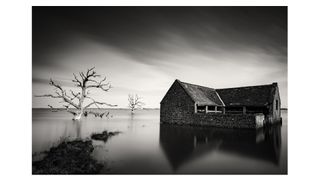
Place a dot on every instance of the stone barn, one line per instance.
(241, 107)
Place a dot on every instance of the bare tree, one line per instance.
(77, 101)
(134, 102)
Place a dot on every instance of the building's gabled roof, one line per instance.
(202, 95)
(261, 95)
(248, 96)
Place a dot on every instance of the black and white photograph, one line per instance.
(159, 90)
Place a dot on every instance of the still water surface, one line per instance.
(147, 147)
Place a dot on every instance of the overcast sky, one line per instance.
(143, 50)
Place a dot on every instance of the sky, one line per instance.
(142, 50)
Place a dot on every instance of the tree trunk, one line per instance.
(78, 116)
(81, 110)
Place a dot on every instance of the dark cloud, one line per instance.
(142, 32)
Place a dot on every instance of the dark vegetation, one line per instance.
(96, 114)
(73, 157)
(104, 136)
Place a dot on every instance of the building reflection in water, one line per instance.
(185, 143)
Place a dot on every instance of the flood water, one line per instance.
(147, 147)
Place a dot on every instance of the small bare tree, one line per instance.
(134, 102)
(88, 80)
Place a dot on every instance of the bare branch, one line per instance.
(134, 101)
(52, 83)
(57, 109)
(97, 114)
(100, 85)
(83, 77)
(85, 81)
(53, 109)
(94, 81)
(75, 95)
(62, 94)
(96, 103)
(48, 95)
(76, 80)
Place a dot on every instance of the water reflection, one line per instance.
(139, 149)
(182, 144)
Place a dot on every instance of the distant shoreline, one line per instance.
(105, 108)
(284, 109)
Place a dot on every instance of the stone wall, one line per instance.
(176, 105)
(218, 120)
(274, 112)
(178, 108)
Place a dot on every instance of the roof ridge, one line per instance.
(245, 86)
(213, 96)
(197, 85)
(220, 98)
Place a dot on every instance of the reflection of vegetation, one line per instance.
(104, 136)
(69, 157)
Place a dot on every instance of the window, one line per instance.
(201, 109)
(211, 108)
(214, 109)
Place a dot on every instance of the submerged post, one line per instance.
(194, 141)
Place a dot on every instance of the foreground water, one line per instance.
(146, 147)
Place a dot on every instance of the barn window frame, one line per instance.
(213, 109)
(201, 109)
(206, 109)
